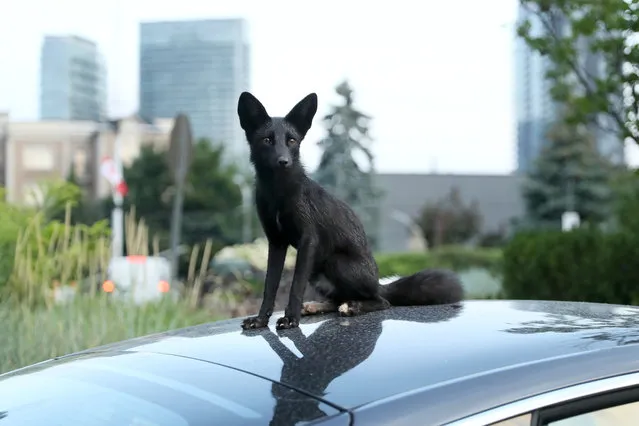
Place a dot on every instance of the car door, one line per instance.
(612, 401)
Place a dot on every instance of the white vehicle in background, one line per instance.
(140, 278)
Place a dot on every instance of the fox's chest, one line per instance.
(288, 227)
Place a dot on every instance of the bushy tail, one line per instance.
(428, 287)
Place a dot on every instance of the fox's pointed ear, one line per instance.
(301, 115)
(251, 112)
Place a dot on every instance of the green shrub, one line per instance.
(581, 265)
(12, 220)
(55, 252)
(461, 258)
(30, 335)
(455, 258)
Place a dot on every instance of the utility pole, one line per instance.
(117, 215)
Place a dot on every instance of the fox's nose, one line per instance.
(283, 161)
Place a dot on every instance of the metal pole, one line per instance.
(117, 219)
(117, 215)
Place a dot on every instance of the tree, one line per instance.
(148, 179)
(339, 172)
(570, 174)
(604, 27)
(626, 200)
(449, 221)
(212, 200)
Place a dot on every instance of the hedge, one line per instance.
(580, 265)
(455, 258)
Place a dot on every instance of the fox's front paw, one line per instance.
(254, 322)
(286, 323)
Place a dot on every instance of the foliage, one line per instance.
(52, 197)
(338, 170)
(626, 200)
(53, 252)
(606, 28)
(494, 238)
(455, 258)
(32, 335)
(211, 203)
(584, 264)
(569, 175)
(449, 220)
(13, 219)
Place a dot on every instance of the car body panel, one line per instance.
(455, 400)
(146, 388)
(355, 361)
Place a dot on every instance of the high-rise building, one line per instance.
(535, 109)
(198, 68)
(72, 79)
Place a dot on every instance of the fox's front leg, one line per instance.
(274, 268)
(301, 276)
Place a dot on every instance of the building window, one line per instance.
(38, 158)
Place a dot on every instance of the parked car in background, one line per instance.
(506, 363)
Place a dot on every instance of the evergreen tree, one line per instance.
(569, 175)
(339, 172)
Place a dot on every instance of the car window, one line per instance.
(619, 415)
(523, 420)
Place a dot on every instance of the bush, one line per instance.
(12, 220)
(49, 253)
(585, 264)
(32, 335)
(455, 258)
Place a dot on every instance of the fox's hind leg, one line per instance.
(313, 308)
(357, 307)
(324, 289)
(356, 285)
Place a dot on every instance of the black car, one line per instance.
(506, 363)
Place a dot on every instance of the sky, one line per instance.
(436, 77)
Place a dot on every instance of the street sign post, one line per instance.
(111, 170)
(179, 159)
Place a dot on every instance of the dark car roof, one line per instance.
(350, 362)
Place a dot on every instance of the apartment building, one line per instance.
(37, 151)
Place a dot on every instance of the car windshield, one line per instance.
(140, 390)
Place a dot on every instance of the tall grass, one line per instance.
(51, 255)
(31, 335)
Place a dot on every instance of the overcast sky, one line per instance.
(437, 77)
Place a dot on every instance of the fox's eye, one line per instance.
(267, 141)
(291, 141)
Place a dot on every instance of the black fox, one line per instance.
(331, 244)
